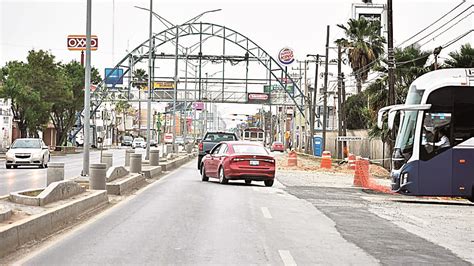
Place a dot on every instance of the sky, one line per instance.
(272, 24)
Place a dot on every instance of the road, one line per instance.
(33, 177)
(182, 220)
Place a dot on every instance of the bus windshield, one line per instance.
(406, 134)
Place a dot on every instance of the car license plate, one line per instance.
(254, 162)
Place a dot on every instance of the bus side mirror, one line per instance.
(391, 118)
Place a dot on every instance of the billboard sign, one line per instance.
(113, 76)
(78, 42)
(286, 56)
(198, 106)
(257, 98)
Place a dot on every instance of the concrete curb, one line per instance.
(44, 224)
(5, 213)
(124, 185)
(152, 171)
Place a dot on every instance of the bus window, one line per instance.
(435, 125)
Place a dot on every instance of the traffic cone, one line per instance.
(326, 161)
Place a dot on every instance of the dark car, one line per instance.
(210, 140)
(238, 160)
(126, 141)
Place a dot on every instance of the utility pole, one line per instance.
(175, 90)
(339, 105)
(150, 83)
(186, 98)
(325, 100)
(343, 117)
(87, 92)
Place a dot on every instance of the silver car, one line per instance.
(27, 152)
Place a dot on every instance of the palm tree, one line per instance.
(463, 59)
(123, 107)
(365, 45)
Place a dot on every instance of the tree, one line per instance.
(28, 109)
(356, 113)
(365, 45)
(462, 59)
(124, 108)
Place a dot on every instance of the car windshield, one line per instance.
(139, 139)
(218, 137)
(127, 138)
(249, 149)
(26, 144)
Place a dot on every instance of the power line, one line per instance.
(443, 16)
(446, 23)
(432, 39)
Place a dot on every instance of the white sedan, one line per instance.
(27, 152)
(138, 143)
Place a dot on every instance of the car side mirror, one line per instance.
(208, 152)
(7, 147)
(45, 147)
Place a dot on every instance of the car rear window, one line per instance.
(218, 137)
(249, 149)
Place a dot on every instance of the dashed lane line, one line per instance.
(287, 258)
(266, 213)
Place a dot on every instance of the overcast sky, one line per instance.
(273, 24)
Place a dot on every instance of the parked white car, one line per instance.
(27, 152)
(138, 143)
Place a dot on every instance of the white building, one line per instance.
(6, 119)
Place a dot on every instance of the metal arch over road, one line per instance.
(276, 74)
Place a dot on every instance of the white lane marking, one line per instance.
(286, 257)
(266, 213)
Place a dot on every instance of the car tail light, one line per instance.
(238, 159)
(200, 146)
(269, 160)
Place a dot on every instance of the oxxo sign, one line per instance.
(78, 42)
(286, 56)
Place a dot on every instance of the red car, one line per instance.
(239, 160)
(277, 146)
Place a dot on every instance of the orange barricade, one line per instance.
(326, 161)
(292, 159)
(361, 175)
(352, 161)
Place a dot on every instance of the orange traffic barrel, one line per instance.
(326, 161)
(292, 159)
(352, 159)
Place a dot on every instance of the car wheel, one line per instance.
(268, 183)
(8, 166)
(204, 177)
(248, 182)
(222, 178)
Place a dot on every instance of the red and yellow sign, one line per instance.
(78, 42)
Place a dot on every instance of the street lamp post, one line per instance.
(87, 92)
(150, 84)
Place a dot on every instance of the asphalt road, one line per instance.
(181, 220)
(33, 177)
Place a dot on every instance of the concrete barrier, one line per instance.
(152, 171)
(126, 184)
(135, 163)
(54, 192)
(97, 176)
(38, 226)
(108, 159)
(154, 157)
(54, 173)
(5, 213)
(116, 172)
(127, 156)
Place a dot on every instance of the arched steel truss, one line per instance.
(276, 73)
